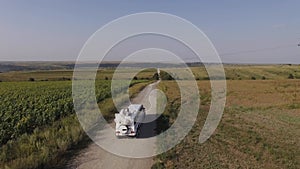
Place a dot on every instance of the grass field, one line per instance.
(260, 127)
(257, 72)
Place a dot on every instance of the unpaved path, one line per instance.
(94, 157)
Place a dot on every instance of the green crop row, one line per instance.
(25, 106)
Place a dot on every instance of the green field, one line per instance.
(38, 121)
(65, 75)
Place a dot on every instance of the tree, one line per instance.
(165, 76)
(155, 76)
(291, 76)
(31, 79)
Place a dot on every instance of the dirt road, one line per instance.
(94, 157)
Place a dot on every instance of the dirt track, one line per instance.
(94, 157)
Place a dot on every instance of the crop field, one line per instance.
(65, 75)
(254, 72)
(38, 121)
(260, 127)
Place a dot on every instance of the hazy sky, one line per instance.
(242, 31)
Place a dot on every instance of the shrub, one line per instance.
(165, 76)
(65, 78)
(31, 79)
(253, 78)
(158, 165)
(291, 76)
(155, 76)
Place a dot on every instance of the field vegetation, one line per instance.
(66, 75)
(260, 127)
(254, 72)
(38, 123)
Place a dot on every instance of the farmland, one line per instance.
(37, 117)
(260, 127)
(254, 72)
(63, 75)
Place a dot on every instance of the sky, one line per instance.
(241, 31)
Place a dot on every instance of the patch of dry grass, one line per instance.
(248, 72)
(260, 128)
